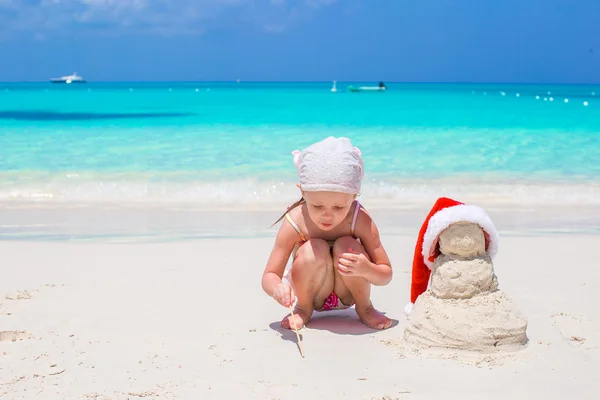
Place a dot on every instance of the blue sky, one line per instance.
(393, 40)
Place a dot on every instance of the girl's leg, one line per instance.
(349, 288)
(312, 279)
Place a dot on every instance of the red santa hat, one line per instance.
(444, 213)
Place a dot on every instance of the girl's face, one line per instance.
(328, 209)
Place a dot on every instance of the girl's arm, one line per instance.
(284, 244)
(380, 273)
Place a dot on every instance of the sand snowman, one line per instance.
(455, 300)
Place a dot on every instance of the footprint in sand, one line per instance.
(96, 396)
(577, 331)
(401, 396)
(19, 295)
(13, 296)
(13, 336)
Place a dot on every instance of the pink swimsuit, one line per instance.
(332, 302)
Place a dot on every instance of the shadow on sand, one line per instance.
(341, 322)
(344, 322)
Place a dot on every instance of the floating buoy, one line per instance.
(585, 103)
(566, 100)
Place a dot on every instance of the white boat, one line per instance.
(74, 78)
(379, 88)
(334, 88)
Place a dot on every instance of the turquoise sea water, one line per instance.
(210, 144)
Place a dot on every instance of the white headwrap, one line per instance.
(331, 165)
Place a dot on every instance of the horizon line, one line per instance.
(322, 81)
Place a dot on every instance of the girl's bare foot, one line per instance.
(373, 318)
(301, 317)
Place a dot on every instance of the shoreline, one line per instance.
(172, 189)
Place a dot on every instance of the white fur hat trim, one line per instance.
(447, 216)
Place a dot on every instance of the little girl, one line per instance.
(335, 246)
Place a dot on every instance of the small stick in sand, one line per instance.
(297, 334)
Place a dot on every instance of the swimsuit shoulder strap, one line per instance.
(291, 221)
(356, 208)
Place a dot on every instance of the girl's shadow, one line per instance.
(341, 322)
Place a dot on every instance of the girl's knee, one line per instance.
(344, 243)
(314, 251)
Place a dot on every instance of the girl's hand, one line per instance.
(353, 263)
(284, 294)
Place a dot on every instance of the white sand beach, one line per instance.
(188, 320)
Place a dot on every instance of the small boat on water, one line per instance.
(379, 88)
(74, 78)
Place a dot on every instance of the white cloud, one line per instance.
(162, 17)
(111, 16)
